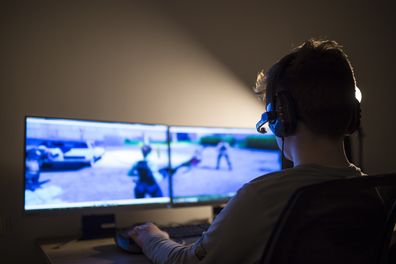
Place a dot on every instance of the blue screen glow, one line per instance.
(71, 163)
(211, 164)
(79, 163)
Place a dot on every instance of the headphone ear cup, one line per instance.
(277, 127)
(354, 123)
(286, 122)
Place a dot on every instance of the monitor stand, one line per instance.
(97, 226)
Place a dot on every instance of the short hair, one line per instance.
(320, 80)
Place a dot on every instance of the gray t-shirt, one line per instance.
(240, 231)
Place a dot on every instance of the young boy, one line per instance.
(311, 106)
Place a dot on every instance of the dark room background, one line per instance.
(174, 62)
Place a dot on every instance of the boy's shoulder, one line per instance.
(303, 175)
(277, 175)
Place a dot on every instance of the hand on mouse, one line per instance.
(141, 233)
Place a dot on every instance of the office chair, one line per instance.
(341, 221)
(388, 194)
(392, 250)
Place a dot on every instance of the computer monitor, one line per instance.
(80, 163)
(209, 165)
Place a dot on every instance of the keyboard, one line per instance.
(188, 230)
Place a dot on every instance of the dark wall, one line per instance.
(248, 36)
(176, 63)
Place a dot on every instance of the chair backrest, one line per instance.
(340, 221)
(389, 250)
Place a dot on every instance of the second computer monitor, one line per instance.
(209, 165)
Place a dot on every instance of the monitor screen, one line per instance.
(210, 164)
(79, 163)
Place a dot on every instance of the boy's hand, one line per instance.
(141, 233)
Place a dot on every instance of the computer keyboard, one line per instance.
(187, 230)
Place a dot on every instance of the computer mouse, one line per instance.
(126, 243)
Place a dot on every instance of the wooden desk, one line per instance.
(96, 251)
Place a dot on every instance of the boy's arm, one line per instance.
(232, 237)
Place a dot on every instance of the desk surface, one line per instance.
(96, 251)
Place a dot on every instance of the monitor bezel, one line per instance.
(89, 209)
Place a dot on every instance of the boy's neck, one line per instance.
(310, 149)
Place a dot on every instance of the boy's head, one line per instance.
(313, 85)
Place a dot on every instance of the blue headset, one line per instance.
(281, 114)
(282, 117)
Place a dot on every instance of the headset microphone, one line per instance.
(260, 124)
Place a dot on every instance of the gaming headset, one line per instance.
(281, 114)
